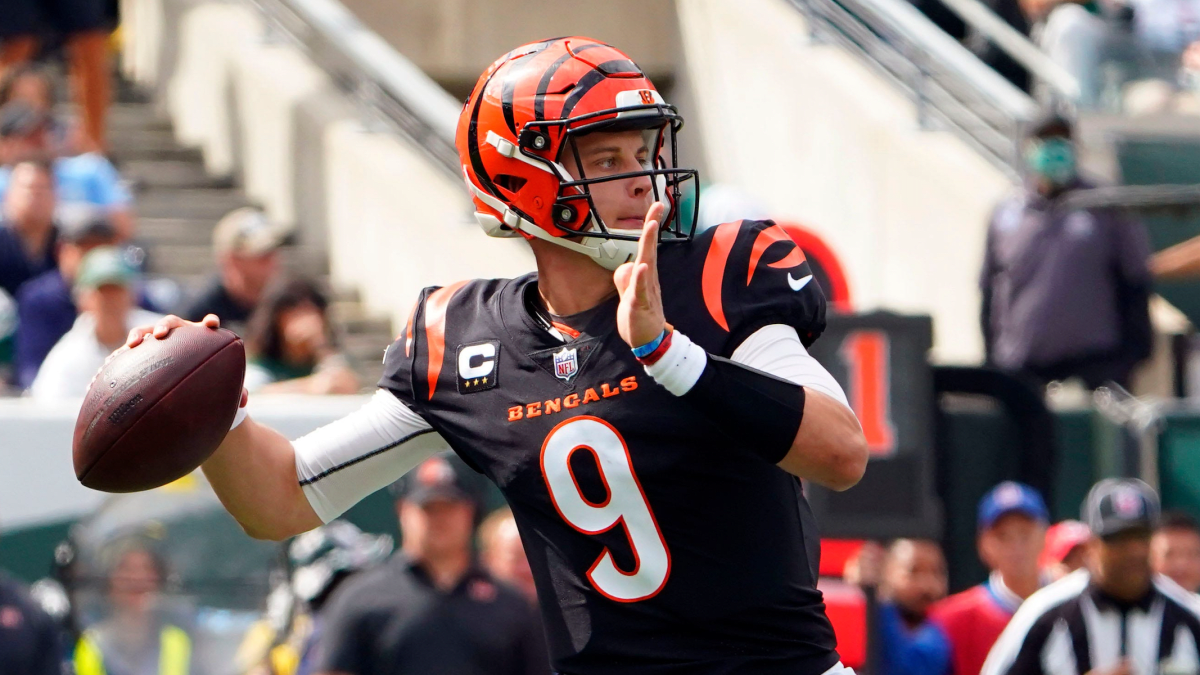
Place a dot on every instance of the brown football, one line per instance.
(155, 412)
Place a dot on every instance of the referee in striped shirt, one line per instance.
(1116, 619)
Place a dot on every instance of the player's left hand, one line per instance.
(640, 314)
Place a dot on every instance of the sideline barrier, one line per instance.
(39, 494)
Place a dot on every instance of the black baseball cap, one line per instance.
(1050, 123)
(1118, 505)
(441, 477)
(80, 224)
(18, 118)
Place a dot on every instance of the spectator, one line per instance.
(1065, 288)
(83, 24)
(1065, 549)
(321, 561)
(8, 333)
(89, 178)
(34, 86)
(104, 292)
(503, 553)
(135, 639)
(430, 609)
(911, 577)
(1012, 530)
(21, 131)
(27, 234)
(1116, 619)
(1075, 36)
(290, 345)
(1175, 550)
(247, 250)
(28, 636)
(504, 558)
(45, 307)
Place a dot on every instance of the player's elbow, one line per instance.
(273, 530)
(849, 462)
(266, 531)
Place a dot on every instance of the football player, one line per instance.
(644, 401)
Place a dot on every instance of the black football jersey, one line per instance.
(658, 543)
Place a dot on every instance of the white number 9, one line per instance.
(625, 503)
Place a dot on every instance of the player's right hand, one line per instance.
(164, 326)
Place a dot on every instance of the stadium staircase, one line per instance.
(178, 205)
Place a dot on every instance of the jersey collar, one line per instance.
(1002, 594)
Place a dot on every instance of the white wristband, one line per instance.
(238, 418)
(680, 367)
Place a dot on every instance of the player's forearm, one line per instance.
(805, 431)
(829, 449)
(253, 473)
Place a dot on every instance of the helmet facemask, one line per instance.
(575, 209)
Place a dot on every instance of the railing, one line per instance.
(952, 88)
(1063, 87)
(388, 86)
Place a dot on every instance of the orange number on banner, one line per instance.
(865, 354)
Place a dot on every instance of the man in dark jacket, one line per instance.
(1065, 288)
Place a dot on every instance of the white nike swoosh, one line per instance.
(797, 284)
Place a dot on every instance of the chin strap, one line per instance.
(605, 253)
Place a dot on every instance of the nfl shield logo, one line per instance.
(566, 364)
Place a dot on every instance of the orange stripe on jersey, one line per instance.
(766, 237)
(408, 328)
(789, 261)
(435, 329)
(714, 270)
(565, 329)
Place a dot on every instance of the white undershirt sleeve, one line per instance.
(348, 459)
(777, 349)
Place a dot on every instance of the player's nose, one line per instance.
(639, 186)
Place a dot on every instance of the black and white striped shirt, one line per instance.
(1071, 627)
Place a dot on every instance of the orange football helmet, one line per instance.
(520, 118)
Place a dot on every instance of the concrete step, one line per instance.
(157, 173)
(189, 203)
(192, 283)
(365, 348)
(124, 116)
(187, 260)
(165, 231)
(352, 317)
(150, 144)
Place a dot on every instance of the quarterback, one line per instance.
(644, 400)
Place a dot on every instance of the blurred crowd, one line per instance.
(1129, 56)
(924, 631)
(455, 597)
(73, 275)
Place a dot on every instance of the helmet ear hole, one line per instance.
(564, 213)
(510, 182)
(533, 139)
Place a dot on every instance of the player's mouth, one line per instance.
(630, 223)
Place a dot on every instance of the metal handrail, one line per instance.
(383, 81)
(952, 88)
(979, 17)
